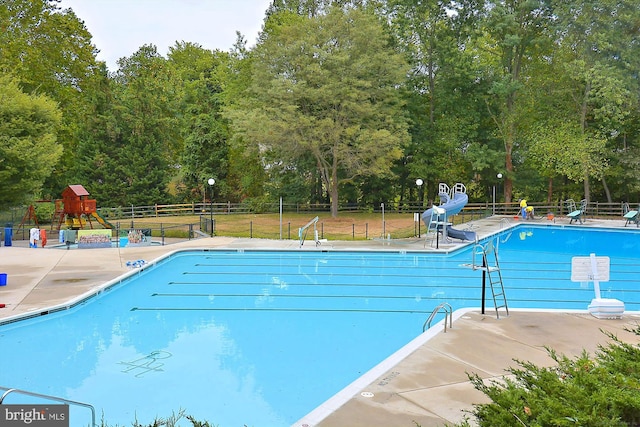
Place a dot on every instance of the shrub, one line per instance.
(598, 391)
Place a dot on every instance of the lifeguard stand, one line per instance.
(75, 208)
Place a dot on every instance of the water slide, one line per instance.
(451, 203)
(101, 220)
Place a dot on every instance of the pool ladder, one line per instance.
(448, 314)
(8, 391)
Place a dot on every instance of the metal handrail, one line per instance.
(54, 398)
(305, 229)
(448, 313)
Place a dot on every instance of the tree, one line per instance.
(327, 86)
(132, 145)
(202, 74)
(49, 51)
(28, 144)
(562, 148)
(595, 55)
(446, 119)
(514, 32)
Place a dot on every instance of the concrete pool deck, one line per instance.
(426, 385)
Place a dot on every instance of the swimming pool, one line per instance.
(263, 337)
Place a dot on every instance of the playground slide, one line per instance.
(461, 234)
(104, 222)
(451, 206)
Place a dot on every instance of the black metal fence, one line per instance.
(125, 218)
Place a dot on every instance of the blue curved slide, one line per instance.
(451, 206)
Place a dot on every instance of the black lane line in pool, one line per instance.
(306, 284)
(412, 297)
(327, 310)
(314, 274)
(423, 298)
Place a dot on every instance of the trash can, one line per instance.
(3, 279)
(8, 234)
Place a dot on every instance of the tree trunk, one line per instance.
(606, 190)
(333, 188)
(508, 165)
(587, 191)
(549, 191)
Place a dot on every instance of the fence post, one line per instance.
(251, 229)
(289, 231)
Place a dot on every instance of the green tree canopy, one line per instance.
(49, 51)
(28, 145)
(327, 86)
(202, 74)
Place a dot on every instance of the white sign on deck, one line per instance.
(582, 269)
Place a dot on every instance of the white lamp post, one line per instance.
(211, 181)
(499, 176)
(383, 226)
(419, 183)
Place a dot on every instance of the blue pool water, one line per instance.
(263, 337)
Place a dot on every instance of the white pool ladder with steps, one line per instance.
(481, 255)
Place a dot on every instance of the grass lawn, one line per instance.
(347, 226)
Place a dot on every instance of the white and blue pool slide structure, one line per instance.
(451, 203)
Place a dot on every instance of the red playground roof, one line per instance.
(78, 190)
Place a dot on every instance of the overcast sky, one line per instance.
(120, 27)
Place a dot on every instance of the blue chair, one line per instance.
(631, 216)
(575, 213)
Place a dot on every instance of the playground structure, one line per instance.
(75, 209)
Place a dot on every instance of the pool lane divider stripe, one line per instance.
(435, 299)
(335, 285)
(327, 310)
(396, 285)
(408, 297)
(412, 297)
